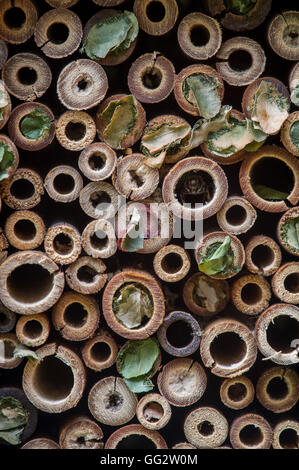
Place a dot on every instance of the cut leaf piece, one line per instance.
(295, 96)
(120, 118)
(154, 141)
(269, 194)
(219, 258)
(7, 159)
(291, 233)
(35, 124)
(138, 357)
(240, 7)
(294, 134)
(132, 304)
(13, 419)
(23, 351)
(201, 90)
(3, 102)
(139, 384)
(133, 240)
(203, 127)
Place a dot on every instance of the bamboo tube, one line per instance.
(206, 428)
(153, 411)
(286, 133)
(99, 199)
(283, 35)
(62, 3)
(179, 334)
(285, 283)
(276, 332)
(228, 348)
(75, 130)
(81, 433)
(196, 180)
(63, 243)
(5, 110)
(251, 294)
(251, 431)
(86, 275)
(100, 351)
(11, 146)
(76, 316)
(82, 84)
(8, 342)
(26, 76)
(262, 255)
(236, 216)
(19, 115)
(204, 295)
(58, 33)
(98, 239)
(151, 78)
(23, 190)
(135, 436)
(63, 183)
(33, 330)
(242, 60)
(237, 393)
(25, 230)
(41, 443)
(149, 287)
(171, 263)
(156, 17)
(182, 382)
(185, 105)
(199, 36)
(285, 434)
(7, 319)
(97, 161)
(111, 402)
(54, 383)
(17, 20)
(285, 224)
(277, 389)
(3, 53)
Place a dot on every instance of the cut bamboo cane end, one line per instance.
(25, 230)
(182, 382)
(98, 239)
(285, 223)
(136, 435)
(99, 199)
(86, 275)
(276, 333)
(236, 216)
(33, 330)
(283, 35)
(26, 76)
(277, 389)
(11, 169)
(156, 17)
(63, 183)
(75, 130)
(285, 283)
(171, 263)
(100, 352)
(54, 383)
(153, 411)
(23, 190)
(18, 20)
(30, 282)
(111, 402)
(41, 443)
(237, 393)
(228, 348)
(262, 255)
(285, 435)
(63, 243)
(251, 431)
(206, 428)
(286, 133)
(251, 294)
(97, 161)
(7, 319)
(81, 433)
(8, 342)
(76, 316)
(6, 110)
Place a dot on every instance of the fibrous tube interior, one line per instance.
(281, 332)
(29, 283)
(25, 229)
(53, 380)
(64, 183)
(228, 348)
(262, 256)
(251, 435)
(136, 441)
(195, 187)
(179, 334)
(32, 329)
(251, 293)
(172, 263)
(99, 240)
(75, 315)
(63, 244)
(236, 215)
(100, 351)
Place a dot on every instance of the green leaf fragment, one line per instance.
(111, 36)
(163, 137)
(23, 351)
(294, 134)
(139, 384)
(35, 124)
(290, 233)
(269, 194)
(240, 7)
(295, 96)
(132, 305)
(13, 419)
(219, 258)
(134, 237)
(7, 158)
(3, 102)
(201, 90)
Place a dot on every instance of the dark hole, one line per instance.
(291, 283)
(81, 440)
(4, 319)
(251, 435)
(9, 348)
(32, 329)
(97, 161)
(100, 351)
(152, 78)
(155, 12)
(99, 240)
(228, 348)
(195, 187)
(75, 315)
(58, 33)
(199, 35)
(237, 392)
(86, 274)
(136, 441)
(64, 183)
(113, 400)
(99, 197)
(153, 412)
(53, 379)
(25, 229)
(14, 18)
(29, 283)
(277, 388)
(205, 428)
(179, 334)
(63, 244)
(281, 332)
(288, 439)
(136, 180)
(236, 215)
(251, 293)
(27, 76)
(172, 263)
(22, 189)
(262, 256)
(240, 60)
(82, 85)
(273, 173)
(75, 131)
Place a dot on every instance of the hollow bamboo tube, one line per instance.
(153, 411)
(63, 243)
(206, 427)
(251, 294)
(237, 393)
(86, 275)
(156, 17)
(284, 230)
(100, 351)
(135, 436)
(98, 239)
(251, 431)
(283, 35)
(277, 389)
(17, 20)
(236, 216)
(285, 283)
(41, 443)
(97, 161)
(262, 255)
(33, 330)
(8, 342)
(54, 383)
(7, 319)
(63, 183)
(285, 435)
(75, 130)
(23, 190)
(171, 263)
(99, 199)
(81, 433)
(25, 230)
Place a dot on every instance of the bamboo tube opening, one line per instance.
(179, 334)
(14, 18)
(251, 431)
(199, 35)
(274, 173)
(53, 379)
(171, 263)
(18, 20)
(204, 295)
(237, 392)
(205, 428)
(152, 78)
(288, 439)
(156, 17)
(99, 199)
(64, 183)
(81, 433)
(29, 283)
(240, 60)
(285, 283)
(281, 331)
(236, 216)
(25, 229)
(135, 436)
(251, 435)
(22, 189)
(63, 243)
(155, 11)
(277, 389)
(153, 411)
(86, 275)
(100, 352)
(27, 76)
(41, 443)
(262, 256)
(32, 329)
(57, 33)
(75, 130)
(75, 315)
(98, 239)
(251, 293)
(291, 283)
(228, 348)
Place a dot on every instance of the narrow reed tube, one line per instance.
(100, 351)
(236, 216)
(25, 230)
(81, 433)
(251, 431)
(18, 20)
(63, 183)
(33, 330)
(98, 239)
(285, 283)
(99, 199)
(285, 435)
(23, 190)
(237, 393)
(251, 294)
(97, 161)
(153, 411)
(63, 243)
(156, 17)
(75, 130)
(277, 389)
(285, 228)
(206, 428)
(262, 255)
(86, 275)
(135, 436)
(171, 263)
